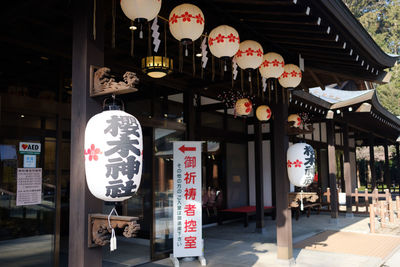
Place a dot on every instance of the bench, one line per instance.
(246, 212)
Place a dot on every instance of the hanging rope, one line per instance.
(94, 20)
(114, 15)
(132, 40)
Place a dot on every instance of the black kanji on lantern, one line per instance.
(127, 127)
(309, 151)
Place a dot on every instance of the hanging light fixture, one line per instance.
(250, 55)
(291, 76)
(141, 11)
(272, 65)
(158, 66)
(263, 113)
(186, 23)
(223, 42)
(243, 107)
(296, 119)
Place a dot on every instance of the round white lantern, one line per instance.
(272, 65)
(243, 107)
(186, 22)
(249, 55)
(263, 113)
(291, 76)
(296, 119)
(113, 155)
(140, 10)
(301, 164)
(223, 41)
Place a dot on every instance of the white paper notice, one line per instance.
(187, 200)
(29, 186)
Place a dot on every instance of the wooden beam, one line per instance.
(347, 170)
(332, 168)
(259, 176)
(86, 52)
(316, 79)
(372, 160)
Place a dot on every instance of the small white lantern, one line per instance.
(301, 164)
(263, 113)
(113, 155)
(249, 55)
(272, 65)
(186, 23)
(243, 107)
(223, 41)
(141, 10)
(291, 76)
(296, 119)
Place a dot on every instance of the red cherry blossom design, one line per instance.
(93, 153)
(297, 163)
(259, 52)
(282, 63)
(232, 38)
(289, 164)
(239, 53)
(174, 19)
(298, 121)
(249, 52)
(275, 63)
(293, 73)
(300, 74)
(199, 19)
(219, 38)
(248, 107)
(210, 41)
(284, 74)
(268, 113)
(186, 17)
(265, 63)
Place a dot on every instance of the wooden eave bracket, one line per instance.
(99, 232)
(291, 130)
(295, 198)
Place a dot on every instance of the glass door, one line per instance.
(163, 191)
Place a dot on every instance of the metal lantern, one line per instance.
(113, 155)
(249, 55)
(272, 65)
(301, 164)
(296, 119)
(186, 23)
(243, 107)
(141, 10)
(291, 76)
(263, 113)
(223, 41)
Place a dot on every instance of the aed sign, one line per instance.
(29, 148)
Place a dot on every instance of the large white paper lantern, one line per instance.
(263, 113)
(249, 55)
(223, 41)
(301, 164)
(272, 65)
(140, 10)
(113, 155)
(186, 23)
(243, 107)
(291, 76)
(296, 119)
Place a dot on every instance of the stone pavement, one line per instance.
(233, 245)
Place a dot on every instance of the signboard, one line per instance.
(29, 186)
(29, 148)
(187, 200)
(29, 161)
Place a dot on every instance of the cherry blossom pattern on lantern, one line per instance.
(186, 17)
(93, 153)
(221, 39)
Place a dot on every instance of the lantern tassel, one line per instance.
(141, 32)
(301, 200)
(186, 51)
(113, 240)
(193, 61)
(132, 40)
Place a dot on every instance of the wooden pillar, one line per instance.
(85, 52)
(282, 185)
(397, 162)
(372, 161)
(189, 114)
(330, 132)
(386, 171)
(347, 170)
(258, 162)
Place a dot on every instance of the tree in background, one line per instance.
(381, 18)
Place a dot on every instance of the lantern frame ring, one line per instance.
(114, 105)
